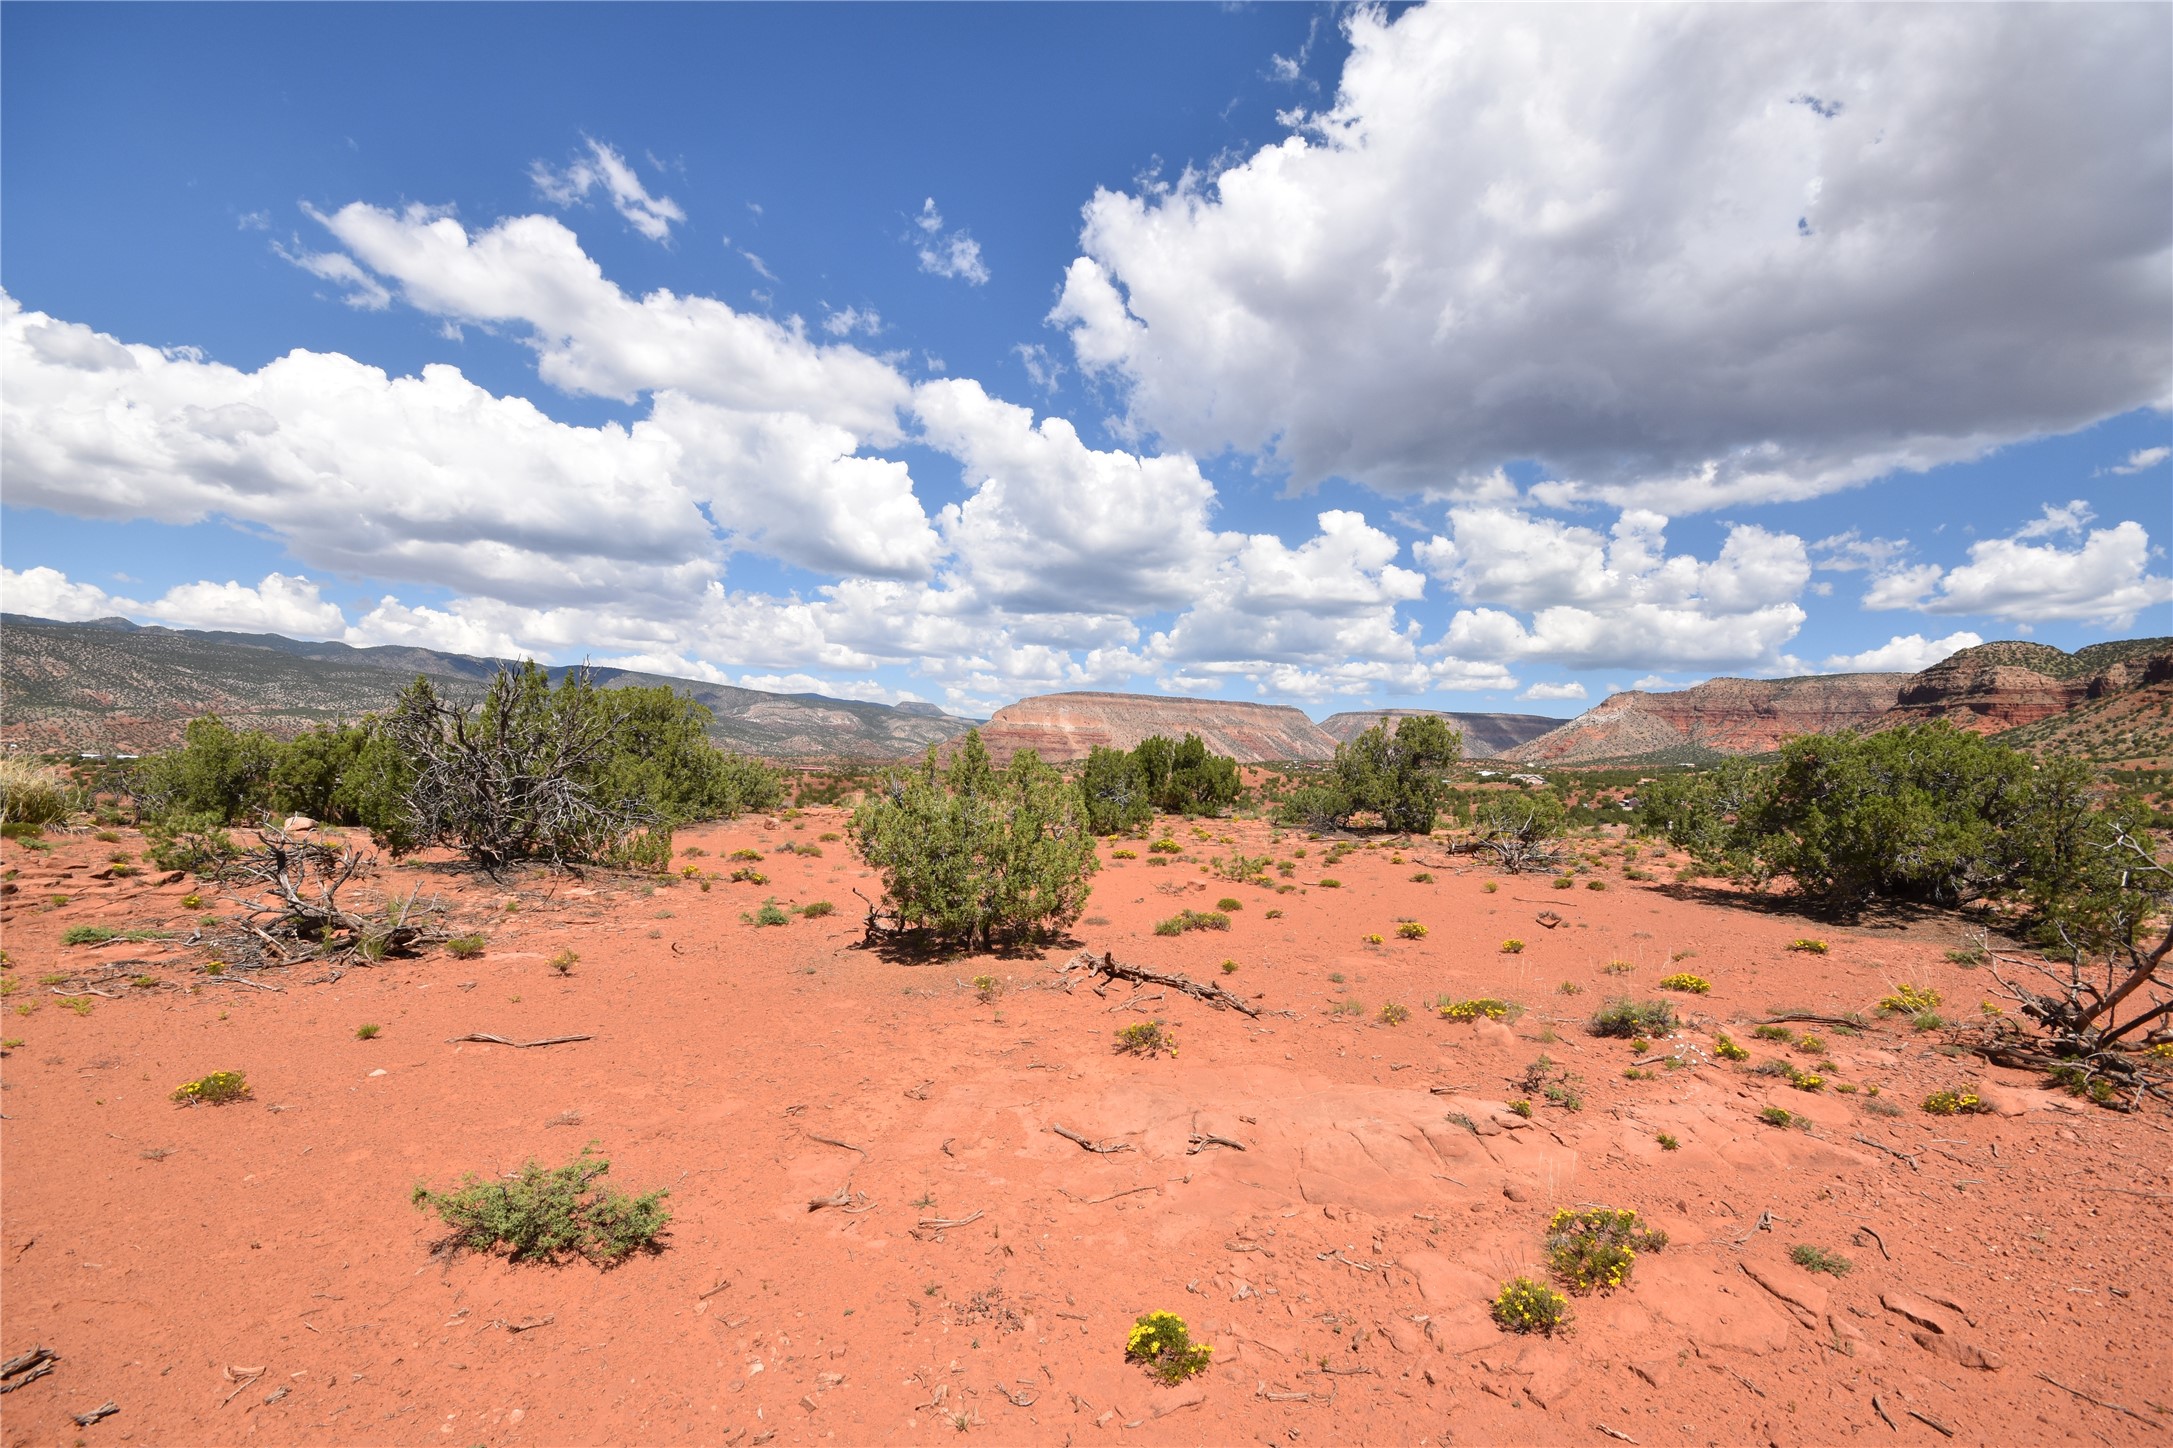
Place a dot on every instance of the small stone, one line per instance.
(298, 824)
(378, 1072)
(1515, 1193)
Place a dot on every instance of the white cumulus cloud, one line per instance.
(1682, 257)
(1572, 690)
(2103, 579)
(947, 253)
(1903, 654)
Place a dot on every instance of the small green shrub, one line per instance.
(749, 875)
(1563, 882)
(1185, 920)
(1124, 854)
(748, 855)
(1618, 967)
(1471, 1010)
(1491, 886)
(1229, 902)
(771, 914)
(32, 793)
(986, 988)
(1927, 1021)
(1423, 877)
(1626, 1018)
(465, 947)
(1512, 946)
(1274, 915)
(1229, 967)
(1595, 1249)
(1684, 981)
(1331, 884)
(564, 962)
(1373, 939)
(1595, 884)
(1165, 847)
(2075, 1080)
(220, 1088)
(1570, 988)
(1394, 1015)
(1145, 1038)
(88, 935)
(1809, 946)
(1527, 1306)
(1163, 1344)
(816, 910)
(1811, 1259)
(1411, 930)
(1969, 955)
(1522, 1108)
(1810, 1044)
(1777, 1116)
(545, 1213)
(1348, 1006)
(1950, 1103)
(1774, 1033)
(1667, 1142)
(1909, 1000)
(367, 1033)
(1727, 1049)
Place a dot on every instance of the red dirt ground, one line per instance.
(1341, 1264)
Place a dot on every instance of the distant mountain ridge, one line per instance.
(117, 687)
(1485, 735)
(1991, 689)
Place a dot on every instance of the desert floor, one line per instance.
(256, 1272)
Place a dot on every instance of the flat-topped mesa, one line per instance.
(1722, 716)
(1064, 727)
(1485, 735)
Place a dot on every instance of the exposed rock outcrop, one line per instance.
(1064, 727)
(1720, 716)
(1485, 735)
(2002, 686)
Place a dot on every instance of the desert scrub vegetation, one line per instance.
(1145, 1038)
(368, 1032)
(1400, 778)
(34, 794)
(1121, 789)
(547, 1213)
(1523, 1305)
(220, 1088)
(974, 854)
(1813, 1259)
(1189, 920)
(1471, 1010)
(1594, 1249)
(466, 947)
(1961, 1101)
(1162, 1343)
(1393, 1014)
(1628, 1018)
(1808, 946)
(102, 934)
(1684, 981)
(1909, 1000)
(1512, 946)
(1229, 903)
(1411, 930)
(1726, 1048)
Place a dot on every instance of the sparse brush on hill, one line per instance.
(975, 854)
(547, 1213)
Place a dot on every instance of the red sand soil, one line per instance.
(256, 1272)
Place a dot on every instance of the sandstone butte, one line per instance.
(1064, 727)
(1988, 689)
(1485, 735)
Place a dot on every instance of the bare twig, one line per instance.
(104, 1410)
(1880, 1408)
(1890, 1151)
(939, 1224)
(1932, 1423)
(1201, 1140)
(241, 1378)
(486, 1037)
(833, 1141)
(2115, 1407)
(1103, 1148)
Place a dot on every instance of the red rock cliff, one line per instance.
(1725, 716)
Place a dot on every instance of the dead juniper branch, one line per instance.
(2105, 1008)
(289, 888)
(1101, 1148)
(1107, 965)
(503, 780)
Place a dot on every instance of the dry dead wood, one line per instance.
(1201, 1140)
(1103, 1148)
(489, 1039)
(833, 1141)
(1108, 965)
(845, 1199)
(2078, 1392)
(27, 1367)
(104, 1410)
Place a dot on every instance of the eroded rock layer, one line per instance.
(1485, 735)
(1064, 727)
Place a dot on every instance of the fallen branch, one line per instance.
(104, 1410)
(1236, 1245)
(530, 1324)
(27, 1367)
(1874, 1236)
(1127, 1192)
(1880, 1408)
(1933, 1423)
(240, 1378)
(833, 1141)
(1108, 966)
(1017, 1400)
(1347, 1372)
(1103, 1148)
(939, 1224)
(1339, 1257)
(242, 980)
(1622, 1437)
(843, 1199)
(486, 1037)
(1203, 1140)
(2078, 1392)
(1890, 1151)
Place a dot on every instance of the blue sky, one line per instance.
(1481, 359)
